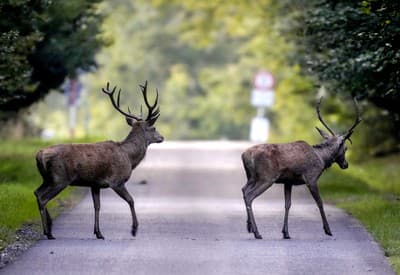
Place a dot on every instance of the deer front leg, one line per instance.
(315, 193)
(96, 202)
(124, 194)
(288, 197)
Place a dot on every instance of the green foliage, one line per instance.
(366, 191)
(352, 48)
(41, 42)
(202, 56)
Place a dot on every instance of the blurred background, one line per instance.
(203, 57)
(225, 70)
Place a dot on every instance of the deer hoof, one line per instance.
(286, 236)
(258, 236)
(50, 237)
(328, 231)
(134, 231)
(99, 236)
(249, 227)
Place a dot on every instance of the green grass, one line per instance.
(370, 192)
(18, 180)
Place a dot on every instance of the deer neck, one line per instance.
(135, 146)
(326, 152)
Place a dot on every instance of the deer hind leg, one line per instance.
(258, 188)
(44, 194)
(245, 190)
(49, 220)
(96, 202)
(288, 202)
(45, 217)
(124, 194)
(315, 193)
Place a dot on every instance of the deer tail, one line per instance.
(248, 164)
(43, 164)
(247, 160)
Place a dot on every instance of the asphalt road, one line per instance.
(192, 221)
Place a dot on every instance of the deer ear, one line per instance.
(322, 133)
(130, 121)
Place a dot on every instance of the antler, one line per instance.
(320, 118)
(356, 122)
(153, 110)
(116, 104)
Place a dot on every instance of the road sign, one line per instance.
(262, 94)
(263, 80)
(262, 98)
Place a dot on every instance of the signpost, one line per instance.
(262, 96)
(72, 90)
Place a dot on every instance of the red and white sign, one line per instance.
(262, 94)
(264, 80)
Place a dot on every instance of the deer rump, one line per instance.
(95, 164)
(285, 162)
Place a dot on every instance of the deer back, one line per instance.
(104, 163)
(295, 158)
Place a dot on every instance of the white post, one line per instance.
(262, 96)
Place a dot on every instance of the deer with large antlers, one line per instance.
(294, 163)
(97, 165)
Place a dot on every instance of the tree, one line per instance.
(352, 48)
(41, 43)
(192, 106)
(202, 57)
(252, 27)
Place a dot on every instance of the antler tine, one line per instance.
(320, 118)
(357, 120)
(152, 114)
(116, 104)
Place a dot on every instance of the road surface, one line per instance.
(192, 221)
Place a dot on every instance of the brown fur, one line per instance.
(96, 165)
(291, 164)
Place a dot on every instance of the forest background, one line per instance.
(202, 57)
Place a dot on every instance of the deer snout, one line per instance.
(160, 139)
(344, 165)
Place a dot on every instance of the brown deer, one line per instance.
(97, 165)
(291, 164)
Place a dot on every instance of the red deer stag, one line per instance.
(97, 165)
(291, 164)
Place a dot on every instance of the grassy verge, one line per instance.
(18, 180)
(370, 192)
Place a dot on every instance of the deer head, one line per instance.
(146, 126)
(338, 142)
